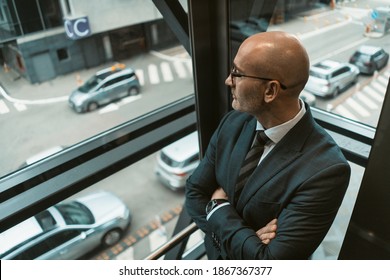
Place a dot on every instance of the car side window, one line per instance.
(110, 82)
(48, 244)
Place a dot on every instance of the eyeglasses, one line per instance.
(235, 74)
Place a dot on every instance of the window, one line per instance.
(115, 148)
(62, 54)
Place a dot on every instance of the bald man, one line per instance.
(287, 204)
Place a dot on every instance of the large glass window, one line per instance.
(38, 121)
(341, 80)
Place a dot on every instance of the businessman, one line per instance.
(272, 180)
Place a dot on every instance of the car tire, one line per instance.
(92, 106)
(133, 91)
(112, 237)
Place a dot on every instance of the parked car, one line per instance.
(369, 59)
(329, 78)
(177, 161)
(105, 86)
(68, 230)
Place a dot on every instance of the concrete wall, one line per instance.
(105, 15)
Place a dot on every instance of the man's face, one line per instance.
(247, 93)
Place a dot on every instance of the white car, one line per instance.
(177, 161)
(67, 230)
(330, 78)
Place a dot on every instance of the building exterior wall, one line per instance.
(119, 29)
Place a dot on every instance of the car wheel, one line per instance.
(112, 237)
(92, 106)
(133, 91)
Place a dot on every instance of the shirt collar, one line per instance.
(276, 133)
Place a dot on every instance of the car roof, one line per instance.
(19, 233)
(370, 50)
(326, 66)
(183, 148)
(116, 68)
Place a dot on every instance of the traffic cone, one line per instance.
(6, 68)
(79, 81)
(332, 4)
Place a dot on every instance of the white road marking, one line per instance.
(3, 107)
(166, 71)
(180, 70)
(154, 78)
(363, 98)
(341, 110)
(188, 63)
(141, 76)
(129, 99)
(372, 93)
(378, 86)
(357, 107)
(109, 108)
(20, 107)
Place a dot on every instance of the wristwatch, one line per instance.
(214, 203)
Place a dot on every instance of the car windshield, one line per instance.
(361, 56)
(75, 213)
(90, 84)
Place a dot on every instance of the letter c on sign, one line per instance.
(68, 28)
(78, 27)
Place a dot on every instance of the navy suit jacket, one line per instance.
(302, 182)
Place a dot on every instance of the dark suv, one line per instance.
(369, 59)
(105, 86)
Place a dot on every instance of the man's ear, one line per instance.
(271, 92)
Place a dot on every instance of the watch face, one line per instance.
(210, 205)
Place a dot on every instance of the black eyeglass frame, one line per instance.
(234, 74)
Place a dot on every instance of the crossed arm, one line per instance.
(266, 233)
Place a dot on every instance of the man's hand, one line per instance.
(219, 194)
(268, 232)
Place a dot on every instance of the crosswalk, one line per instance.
(364, 105)
(8, 107)
(153, 74)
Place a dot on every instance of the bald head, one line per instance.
(278, 55)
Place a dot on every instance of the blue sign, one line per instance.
(77, 28)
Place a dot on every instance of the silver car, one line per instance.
(67, 230)
(329, 78)
(105, 86)
(177, 161)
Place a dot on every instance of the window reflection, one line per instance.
(333, 35)
(56, 56)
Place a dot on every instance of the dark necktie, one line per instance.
(251, 160)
